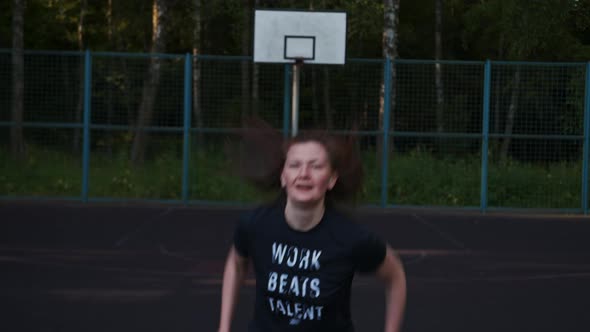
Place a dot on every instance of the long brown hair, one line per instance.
(263, 150)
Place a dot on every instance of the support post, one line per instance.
(86, 135)
(287, 100)
(487, 83)
(385, 133)
(187, 127)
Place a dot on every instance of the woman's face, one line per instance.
(307, 173)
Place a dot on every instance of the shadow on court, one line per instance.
(115, 267)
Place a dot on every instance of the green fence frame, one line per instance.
(387, 133)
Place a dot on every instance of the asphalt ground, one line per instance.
(67, 266)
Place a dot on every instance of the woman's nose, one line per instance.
(304, 171)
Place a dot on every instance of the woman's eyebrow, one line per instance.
(310, 161)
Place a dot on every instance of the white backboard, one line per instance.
(281, 36)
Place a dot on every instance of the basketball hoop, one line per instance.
(295, 37)
(281, 36)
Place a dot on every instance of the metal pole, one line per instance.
(487, 83)
(586, 155)
(295, 97)
(286, 100)
(187, 127)
(86, 135)
(385, 146)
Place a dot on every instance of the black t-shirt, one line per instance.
(303, 279)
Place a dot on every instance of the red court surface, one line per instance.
(69, 266)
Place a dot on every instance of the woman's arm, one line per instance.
(391, 272)
(236, 268)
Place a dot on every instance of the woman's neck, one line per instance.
(303, 217)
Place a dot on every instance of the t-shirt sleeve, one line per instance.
(369, 252)
(242, 235)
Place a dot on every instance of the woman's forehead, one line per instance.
(309, 149)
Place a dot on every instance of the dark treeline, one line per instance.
(529, 100)
(547, 30)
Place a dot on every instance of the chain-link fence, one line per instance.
(472, 134)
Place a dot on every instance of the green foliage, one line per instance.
(115, 177)
(418, 178)
(415, 178)
(222, 22)
(6, 27)
(416, 29)
(520, 30)
(43, 173)
(515, 184)
(132, 27)
(579, 26)
(371, 188)
(506, 29)
(213, 179)
(42, 29)
(571, 115)
(364, 29)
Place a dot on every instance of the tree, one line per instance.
(197, 21)
(256, 80)
(326, 94)
(389, 42)
(110, 43)
(325, 88)
(245, 65)
(79, 107)
(519, 30)
(17, 144)
(150, 87)
(438, 71)
(364, 32)
(509, 126)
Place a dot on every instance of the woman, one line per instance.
(305, 252)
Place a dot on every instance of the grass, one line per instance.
(419, 178)
(415, 178)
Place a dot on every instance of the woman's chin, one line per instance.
(305, 200)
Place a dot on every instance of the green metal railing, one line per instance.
(490, 135)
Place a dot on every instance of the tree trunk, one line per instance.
(17, 142)
(129, 107)
(67, 84)
(197, 113)
(80, 104)
(245, 67)
(389, 42)
(438, 71)
(110, 112)
(150, 87)
(438, 82)
(256, 80)
(494, 146)
(119, 43)
(510, 116)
